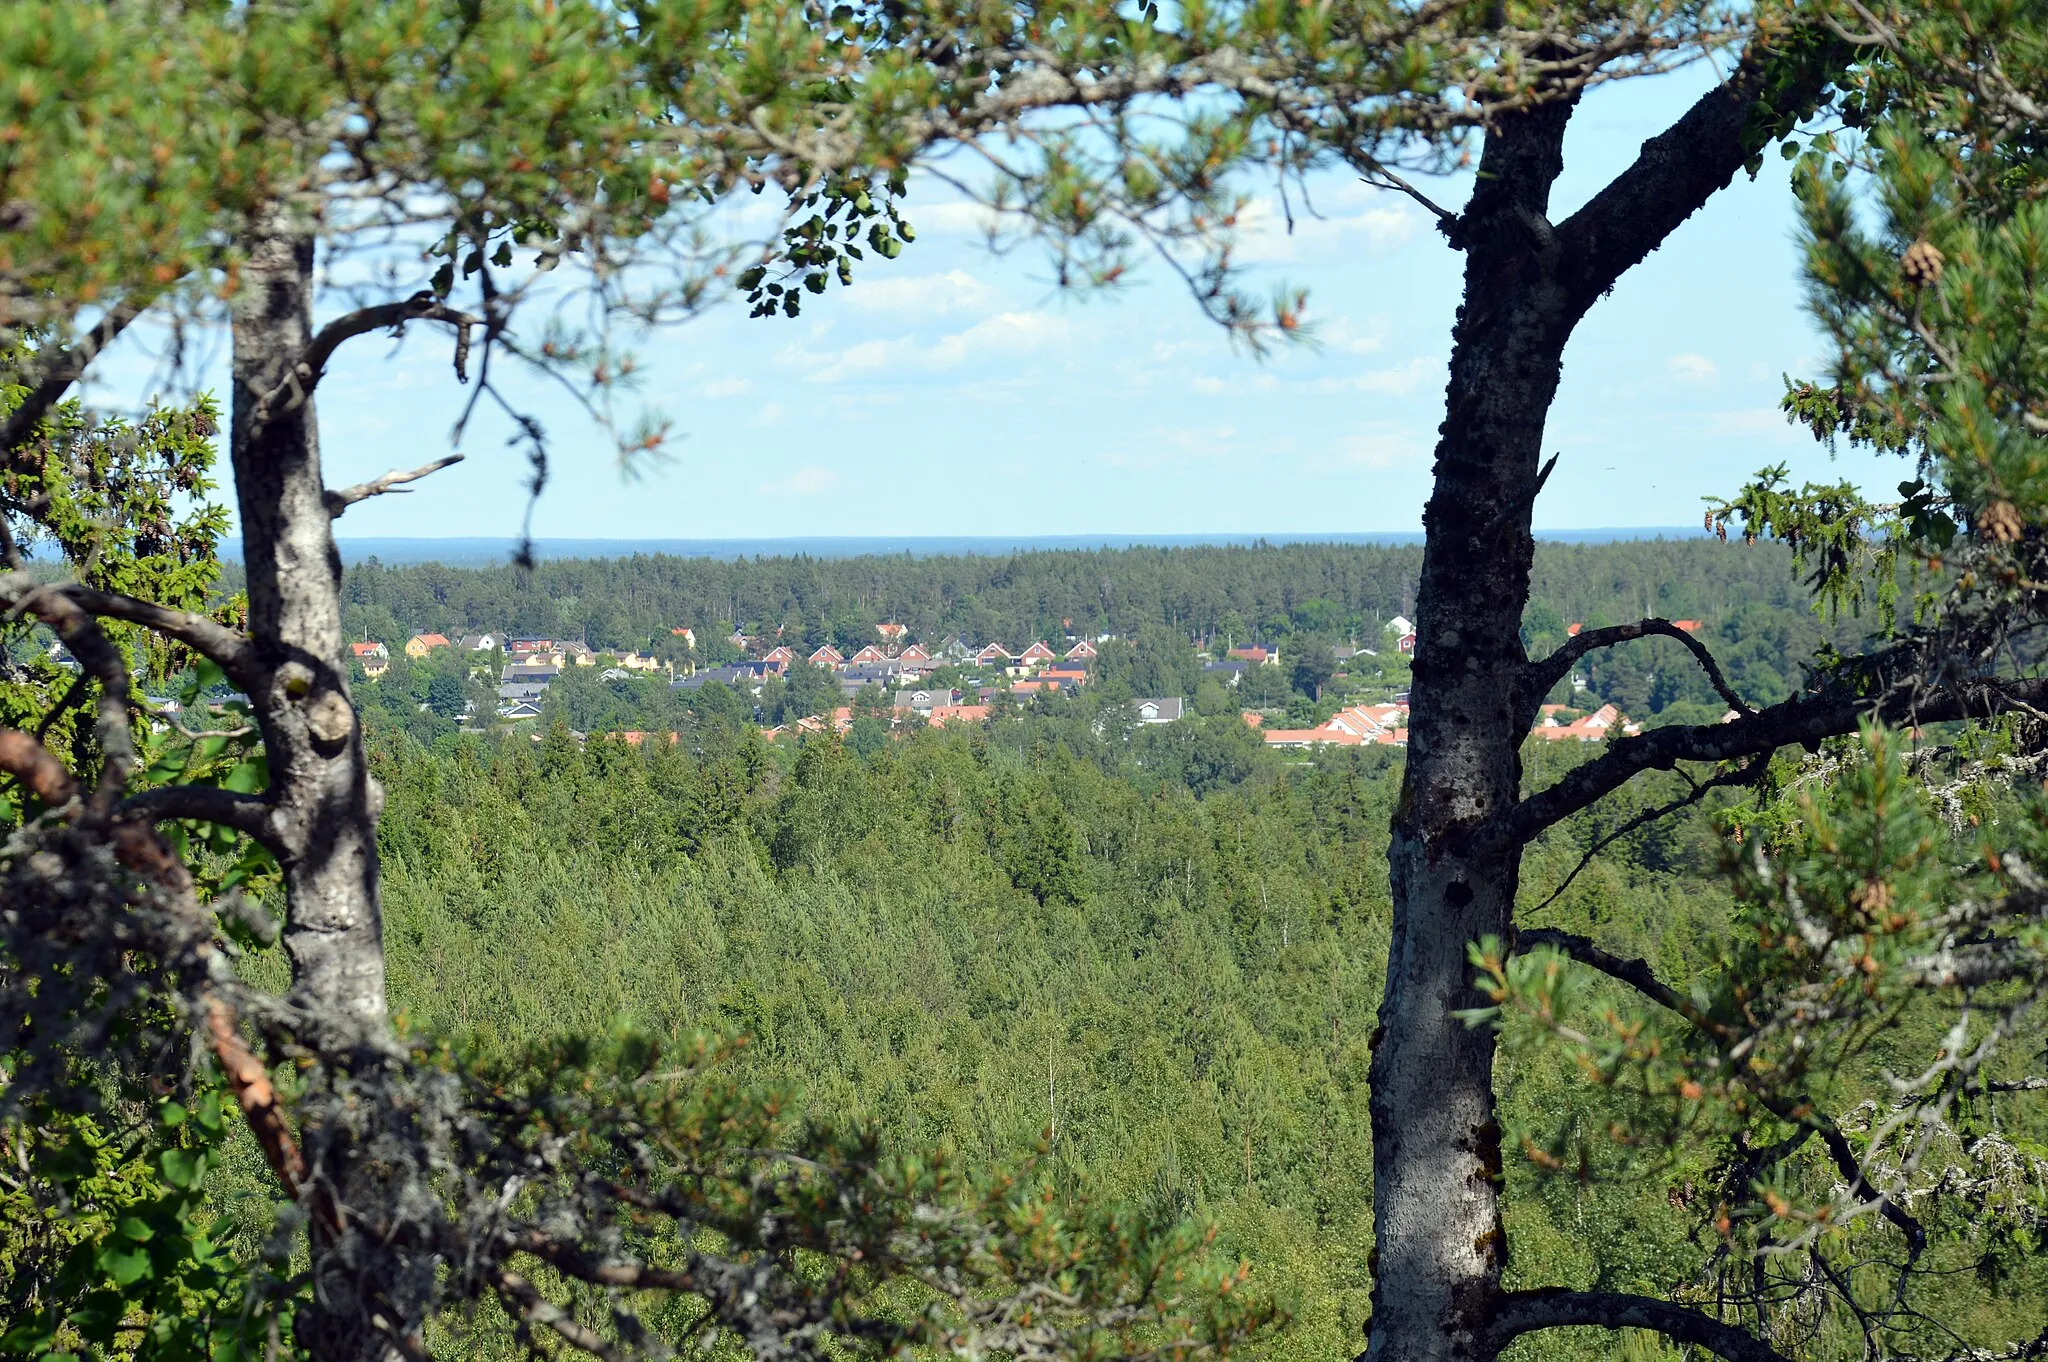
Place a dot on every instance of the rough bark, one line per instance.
(1456, 843)
(325, 800)
(1436, 1140)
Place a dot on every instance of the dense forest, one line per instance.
(1159, 968)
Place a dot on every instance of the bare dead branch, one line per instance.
(57, 373)
(1801, 719)
(528, 1304)
(229, 649)
(1544, 674)
(306, 373)
(1524, 1312)
(1636, 973)
(257, 1098)
(1741, 775)
(339, 501)
(247, 814)
(23, 756)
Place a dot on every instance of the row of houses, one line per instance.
(1386, 725)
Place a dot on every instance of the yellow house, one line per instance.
(419, 645)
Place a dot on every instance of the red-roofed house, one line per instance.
(1252, 720)
(375, 657)
(1037, 654)
(913, 653)
(871, 653)
(1073, 678)
(827, 656)
(892, 632)
(780, 656)
(941, 715)
(1690, 626)
(688, 636)
(1572, 630)
(1257, 655)
(994, 652)
(1598, 726)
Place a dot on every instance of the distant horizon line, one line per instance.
(465, 550)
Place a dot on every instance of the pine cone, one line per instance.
(1921, 264)
(2000, 522)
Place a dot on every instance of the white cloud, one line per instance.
(1378, 227)
(727, 387)
(1404, 377)
(808, 481)
(1344, 336)
(1691, 368)
(1210, 387)
(928, 295)
(1380, 449)
(769, 415)
(1007, 333)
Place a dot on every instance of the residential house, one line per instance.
(1690, 626)
(854, 675)
(688, 636)
(871, 653)
(419, 645)
(1399, 625)
(745, 676)
(913, 655)
(513, 692)
(1602, 724)
(639, 662)
(954, 649)
(542, 672)
(924, 701)
(1229, 672)
(1154, 710)
(1069, 678)
(615, 674)
(1084, 651)
(519, 709)
(893, 634)
(1256, 655)
(480, 643)
(1405, 645)
(1037, 655)
(579, 653)
(1386, 724)
(375, 657)
(941, 715)
(780, 657)
(995, 654)
(827, 656)
(1252, 718)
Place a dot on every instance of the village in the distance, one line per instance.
(956, 681)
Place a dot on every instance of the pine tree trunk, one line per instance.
(326, 799)
(1436, 1139)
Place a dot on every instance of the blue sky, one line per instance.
(955, 392)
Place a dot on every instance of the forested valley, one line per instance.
(1145, 959)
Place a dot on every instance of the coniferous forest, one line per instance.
(1486, 949)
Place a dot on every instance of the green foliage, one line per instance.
(110, 1245)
